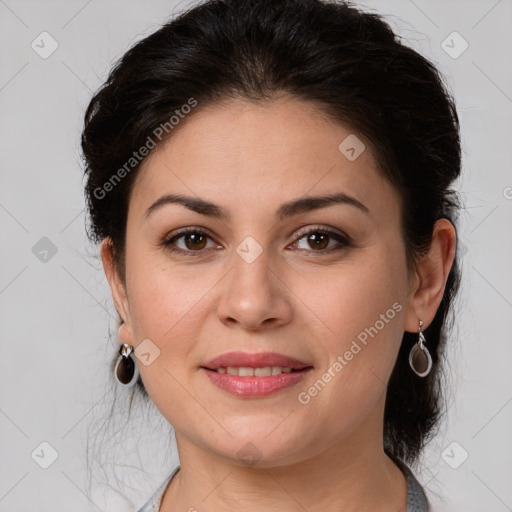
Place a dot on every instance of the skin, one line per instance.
(326, 455)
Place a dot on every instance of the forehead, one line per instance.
(275, 150)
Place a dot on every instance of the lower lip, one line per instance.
(255, 386)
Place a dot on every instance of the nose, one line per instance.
(254, 296)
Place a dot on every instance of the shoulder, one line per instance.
(416, 498)
(153, 503)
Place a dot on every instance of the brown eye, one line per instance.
(194, 241)
(321, 241)
(318, 240)
(189, 242)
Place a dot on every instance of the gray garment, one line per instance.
(416, 499)
(153, 504)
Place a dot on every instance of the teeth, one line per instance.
(245, 371)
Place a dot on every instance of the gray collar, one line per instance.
(416, 498)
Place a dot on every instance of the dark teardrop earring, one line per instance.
(125, 370)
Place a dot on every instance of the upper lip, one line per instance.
(254, 360)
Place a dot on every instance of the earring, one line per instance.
(419, 356)
(125, 370)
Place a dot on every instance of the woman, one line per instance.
(269, 182)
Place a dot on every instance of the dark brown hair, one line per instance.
(352, 66)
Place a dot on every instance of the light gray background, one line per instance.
(55, 316)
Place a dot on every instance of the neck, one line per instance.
(352, 475)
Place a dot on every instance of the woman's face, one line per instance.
(252, 280)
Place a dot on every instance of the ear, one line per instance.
(118, 290)
(431, 275)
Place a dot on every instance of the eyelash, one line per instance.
(343, 239)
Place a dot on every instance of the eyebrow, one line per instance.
(286, 210)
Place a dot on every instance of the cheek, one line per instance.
(353, 298)
(365, 319)
(162, 295)
(165, 307)
(362, 307)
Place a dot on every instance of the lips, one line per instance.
(254, 360)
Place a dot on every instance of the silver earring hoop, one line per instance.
(420, 360)
(125, 370)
